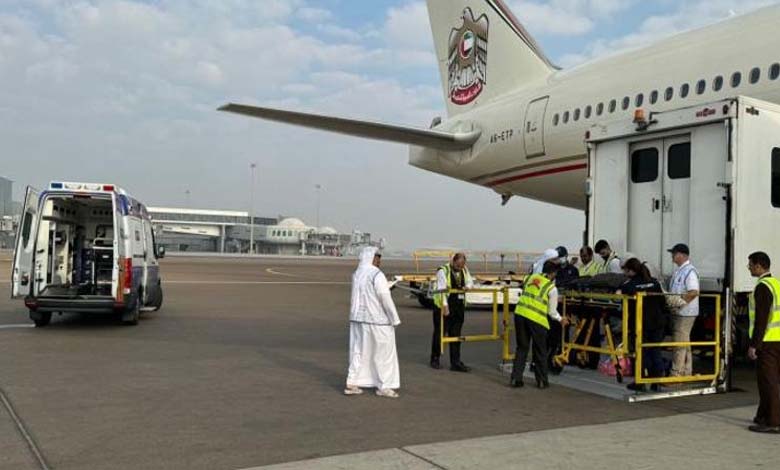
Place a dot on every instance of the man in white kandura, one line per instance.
(373, 359)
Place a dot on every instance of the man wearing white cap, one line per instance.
(373, 358)
(549, 254)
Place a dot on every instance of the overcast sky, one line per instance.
(126, 91)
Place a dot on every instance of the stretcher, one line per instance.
(596, 311)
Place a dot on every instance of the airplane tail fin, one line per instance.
(483, 52)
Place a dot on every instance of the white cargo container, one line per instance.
(707, 176)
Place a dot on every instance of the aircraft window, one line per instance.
(556, 118)
(717, 84)
(736, 79)
(565, 117)
(669, 94)
(654, 97)
(600, 109)
(776, 177)
(679, 161)
(701, 86)
(640, 98)
(612, 106)
(577, 114)
(755, 75)
(626, 102)
(684, 90)
(774, 71)
(588, 111)
(644, 165)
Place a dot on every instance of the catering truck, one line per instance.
(89, 248)
(707, 176)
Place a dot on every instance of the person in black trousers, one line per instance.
(764, 314)
(538, 301)
(653, 318)
(451, 276)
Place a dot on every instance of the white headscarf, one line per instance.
(546, 256)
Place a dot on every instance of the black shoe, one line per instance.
(516, 383)
(460, 367)
(636, 387)
(765, 429)
(542, 384)
(759, 421)
(435, 363)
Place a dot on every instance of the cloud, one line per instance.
(408, 26)
(116, 87)
(314, 15)
(688, 15)
(542, 18)
(566, 17)
(338, 32)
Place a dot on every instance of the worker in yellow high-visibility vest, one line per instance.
(589, 266)
(764, 313)
(452, 276)
(538, 301)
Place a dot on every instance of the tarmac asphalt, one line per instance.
(244, 366)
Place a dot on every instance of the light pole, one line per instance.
(252, 167)
(318, 188)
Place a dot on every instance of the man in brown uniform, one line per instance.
(765, 343)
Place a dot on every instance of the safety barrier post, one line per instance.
(508, 327)
(495, 313)
(638, 366)
(624, 327)
(717, 338)
(441, 329)
(715, 344)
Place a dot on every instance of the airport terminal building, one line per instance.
(8, 213)
(222, 231)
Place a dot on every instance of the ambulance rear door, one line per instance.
(23, 278)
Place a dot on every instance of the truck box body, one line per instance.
(707, 176)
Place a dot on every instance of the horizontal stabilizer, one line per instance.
(440, 140)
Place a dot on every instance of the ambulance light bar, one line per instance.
(83, 186)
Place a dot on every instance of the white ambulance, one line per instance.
(89, 248)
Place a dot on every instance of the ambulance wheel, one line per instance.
(40, 319)
(159, 300)
(131, 315)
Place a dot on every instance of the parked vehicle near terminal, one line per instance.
(89, 248)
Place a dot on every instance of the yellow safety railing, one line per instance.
(640, 345)
(606, 302)
(494, 335)
(621, 303)
(521, 259)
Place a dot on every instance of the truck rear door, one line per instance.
(22, 277)
(645, 200)
(756, 213)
